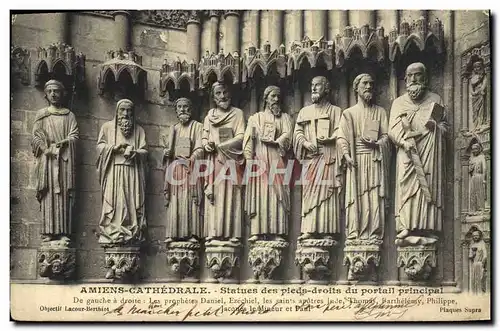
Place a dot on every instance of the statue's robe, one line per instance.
(478, 89)
(413, 210)
(184, 193)
(477, 182)
(223, 217)
(55, 175)
(123, 182)
(322, 174)
(366, 185)
(478, 257)
(268, 204)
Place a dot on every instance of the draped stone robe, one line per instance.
(413, 211)
(366, 185)
(123, 184)
(268, 204)
(55, 174)
(478, 257)
(477, 182)
(321, 191)
(184, 207)
(223, 217)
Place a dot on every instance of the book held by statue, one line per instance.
(371, 129)
(183, 146)
(225, 134)
(269, 131)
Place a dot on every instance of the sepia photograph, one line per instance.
(251, 165)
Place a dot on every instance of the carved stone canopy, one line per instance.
(20, 64)
(365, 39)
(118, 64)
(316, 52)
(59, 61)
(265, 59)
(479, 53)
(174, 73)
(419, 32)
(220, 66)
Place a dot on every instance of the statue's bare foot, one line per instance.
(352, 236)
(304, 236)
(209, 239)
(193, 240)
(234, 240)
(279, 238)
(328, 237)
(110, 274)
(403, 234)
(46, 238)
(253, 238)
(168, 240)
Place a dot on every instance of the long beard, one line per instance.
(415, 90)
(126, 126)
(367, 96)
(275, 109)
(223, 104)
(316, 97)
(184, 118)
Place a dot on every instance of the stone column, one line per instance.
(367, 17)
(319, 24)
(276, 28)
(122, 30)
(60, 30)
(214, 31)
(232, 34)
(193, 38)
(255, 28)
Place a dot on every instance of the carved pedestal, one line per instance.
(123, 263)
(56, 261)
(265, 259)
(362, 257)
(417, 262)
(222, 261)
(183, 258)
(313, 256)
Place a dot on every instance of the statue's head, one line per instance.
(478, 67)
(183, 108)
(221, 95)
(416, 80)
(363, 86)
(272, 96)
(54, 92)
(476, 149)
(320, 88)
(476, 235)
(125, 116)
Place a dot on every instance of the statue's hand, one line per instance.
(268, 141)
(310, 147)
(349, 161)
(209, 147)
(369, 142)
(408, 145)
(431, 125)
(325, 141)
(62, 143)
(443, 126)
(48, 151)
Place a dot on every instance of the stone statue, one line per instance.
(478, 88)
(478, 257)
(223, 132)
(121, 166)
(183, 199)
(267, 141)
(314, 144)
(55, 132)
(417, 127)
(365, 146)
(477, 178)
(314, 138)
(183, 194)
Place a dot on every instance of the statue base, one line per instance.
(123, 263)
(265, 259)
(362, 257)
(56, 260)
(417, 262)
(183, 259)
(313, 256)
(222, 261)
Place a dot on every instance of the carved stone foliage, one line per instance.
(265, 259)
(417, 262)
(183, 258)
(174, 73)
(122, 68)
(176, 19)
(20, 64)
(420, 32)
(365, 39)
(222, 261)
(219, 65)
(317, 52)
(59, 61)
(123, 263)
(313, 257)
(362, 257)
(57, 263)
(265, 59)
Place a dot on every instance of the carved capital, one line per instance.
(418, 261)
(123, 263)
(365, 39)
(183, 258)
(56, 263)
(170, 19)
(231, 13)
(362, 258)
(194, 17)
(317, 52)
(219, 65)
(20, 64)
(223, 261)
(265, 59)
(265, 259)
(121, 12)
(313, 256)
